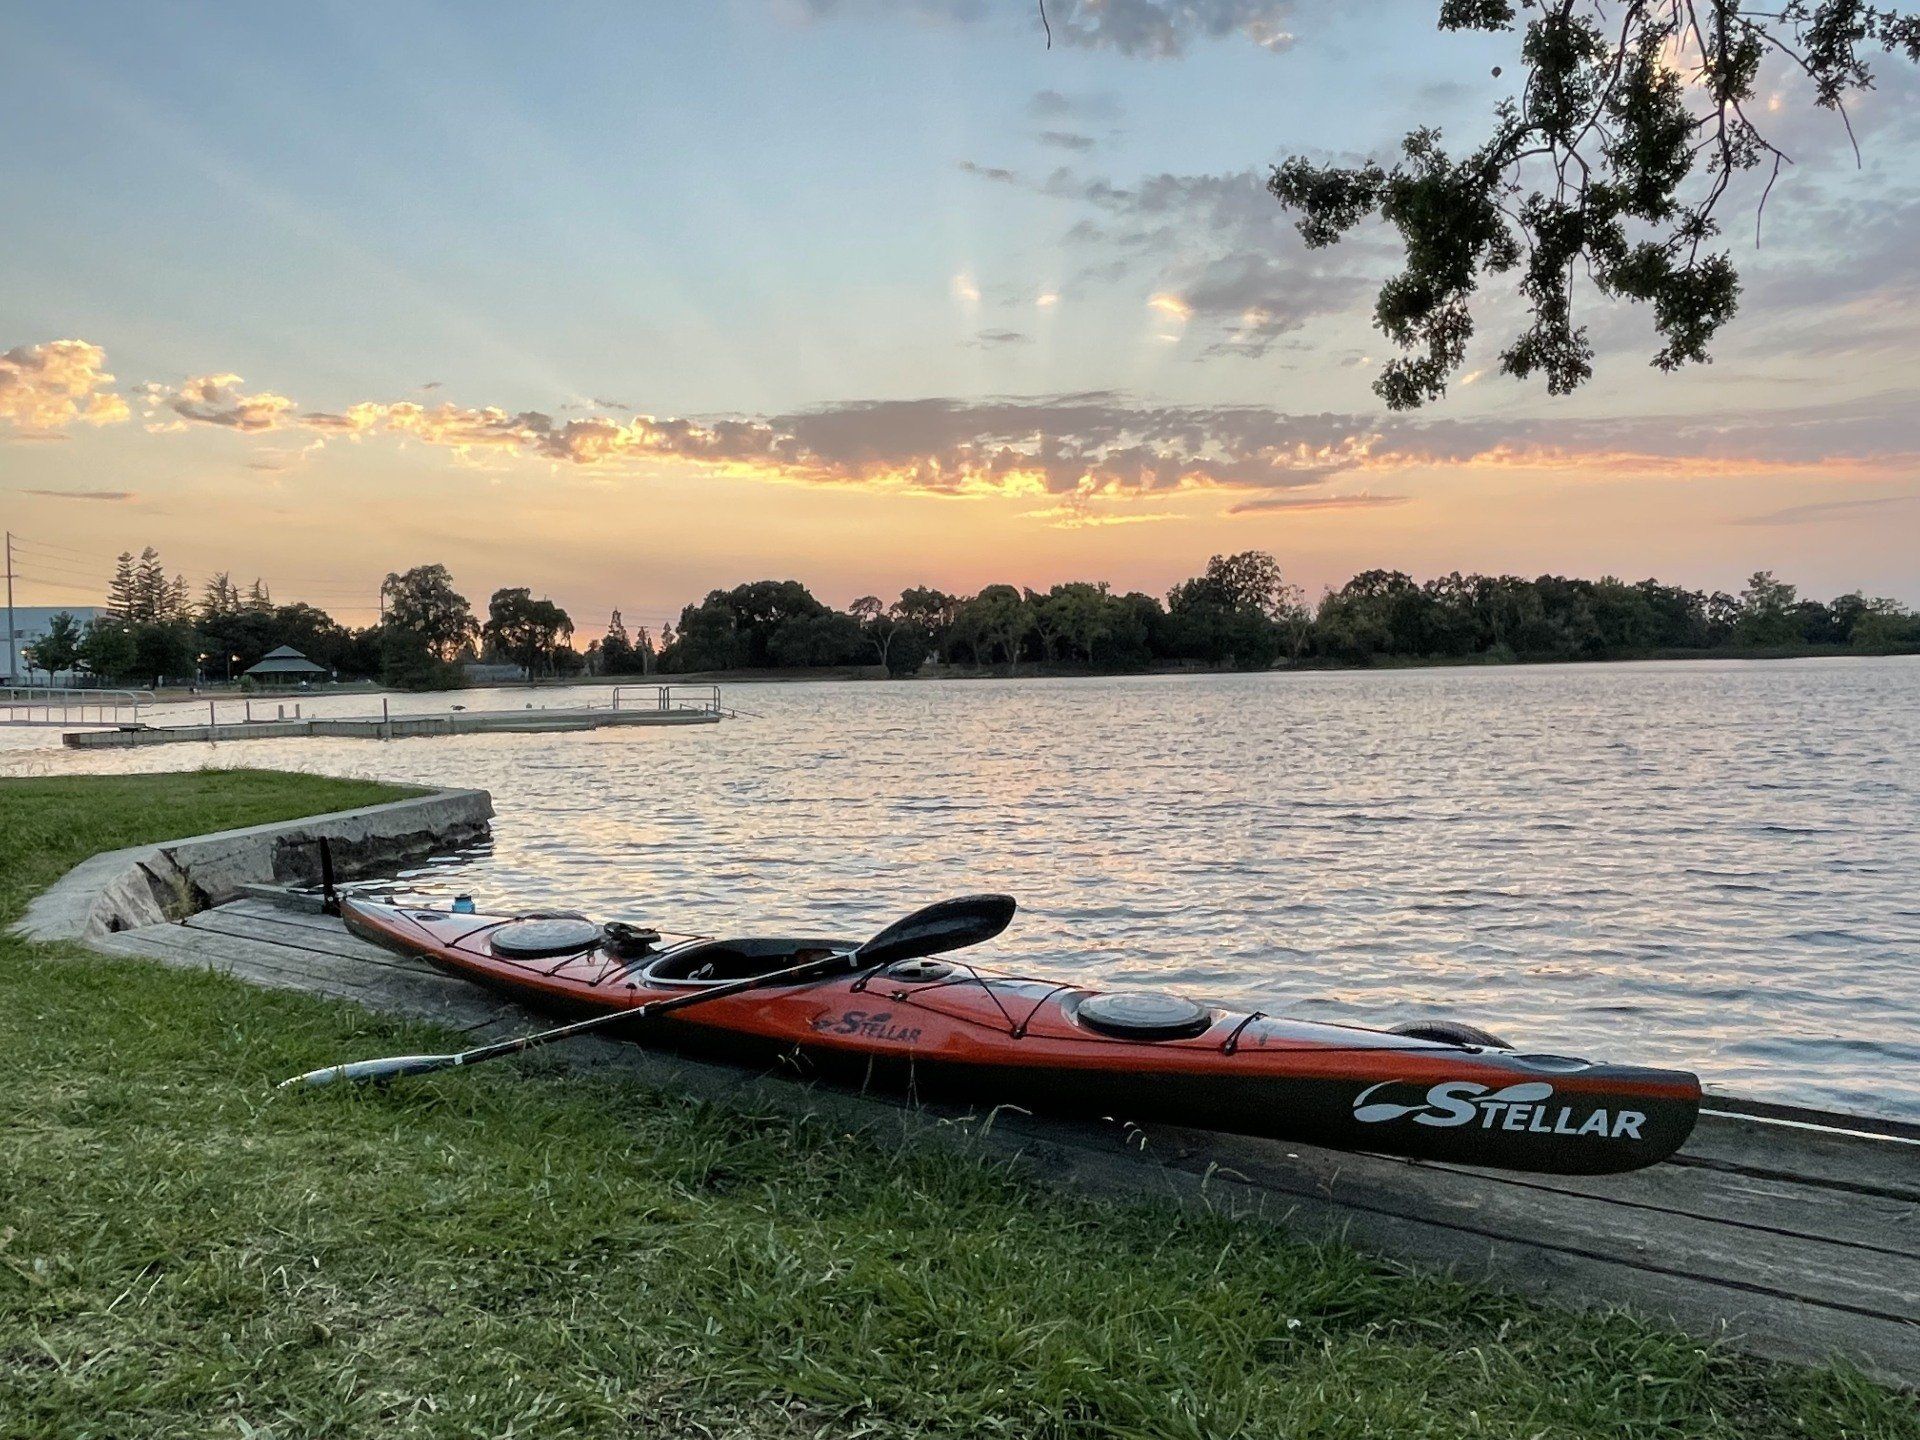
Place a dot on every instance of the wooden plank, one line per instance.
(1769, 1204)
(1863, 1164)
(336, 941)
(269, 913)
(193, 949)
(428, 994)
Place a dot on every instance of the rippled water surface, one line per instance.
(1706, 864)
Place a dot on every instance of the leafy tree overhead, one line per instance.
(423, 603)
(1634, 120)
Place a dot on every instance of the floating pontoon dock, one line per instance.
(629, 705)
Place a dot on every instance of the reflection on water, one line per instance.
(1709, 864)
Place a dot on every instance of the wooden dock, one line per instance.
(1792, 1234)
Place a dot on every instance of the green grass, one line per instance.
(518, 1252)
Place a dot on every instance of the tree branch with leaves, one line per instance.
(1627, 135)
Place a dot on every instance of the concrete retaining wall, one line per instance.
(149, 884)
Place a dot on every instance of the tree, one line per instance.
(151, 592)
(1294, 619)
(1249, 580)
(107, 649)
(423, 603)
(1076, 616)
(907, 653)
(709, 639)
(1885, 624)
(121, 590)
(59, 648)
(616, 653)
(406, 662)
(994, 622)
(220, 596)
(932, 612)
(1632, 125)
(165, 650)
(526, 630)
(1135, 630)
(881, 625)
(763, 608)
(1767, 612)
(1226, 615)
(829, 638)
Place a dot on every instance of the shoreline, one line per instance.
(1057, 671)
(869, 674)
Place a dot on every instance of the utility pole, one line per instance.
(13, 634)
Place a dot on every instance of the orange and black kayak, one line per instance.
(953, 1031)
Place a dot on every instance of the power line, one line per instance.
(56, 545)
(42, 563)
(57, 584)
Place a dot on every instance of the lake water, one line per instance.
(1706, 864)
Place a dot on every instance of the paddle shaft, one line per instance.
(396, 1066)
(812, 969)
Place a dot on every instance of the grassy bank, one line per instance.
(515, 1252)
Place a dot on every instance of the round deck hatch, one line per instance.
(1144, 1016)
(546, 936)
(919, 972)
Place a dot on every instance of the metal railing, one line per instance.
(45, 705)
(704, 698)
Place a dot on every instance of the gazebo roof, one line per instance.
(286, 661)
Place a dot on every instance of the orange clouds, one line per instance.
(218, 400)
(1063, 451)
(45, 388)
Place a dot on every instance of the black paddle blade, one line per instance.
(942, 926)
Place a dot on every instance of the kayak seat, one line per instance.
(718, 962)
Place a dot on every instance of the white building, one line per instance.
(30, 622)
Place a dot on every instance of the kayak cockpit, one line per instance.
(719, 962)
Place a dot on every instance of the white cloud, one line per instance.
(47, 387)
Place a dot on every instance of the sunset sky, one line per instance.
(625, 302)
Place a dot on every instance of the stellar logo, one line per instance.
(1525, 1107)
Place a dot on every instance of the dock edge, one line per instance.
(151, 884)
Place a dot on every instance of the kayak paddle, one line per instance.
(942, 926)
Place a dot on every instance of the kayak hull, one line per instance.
(952, 1032)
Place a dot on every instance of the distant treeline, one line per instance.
(1240, 613)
